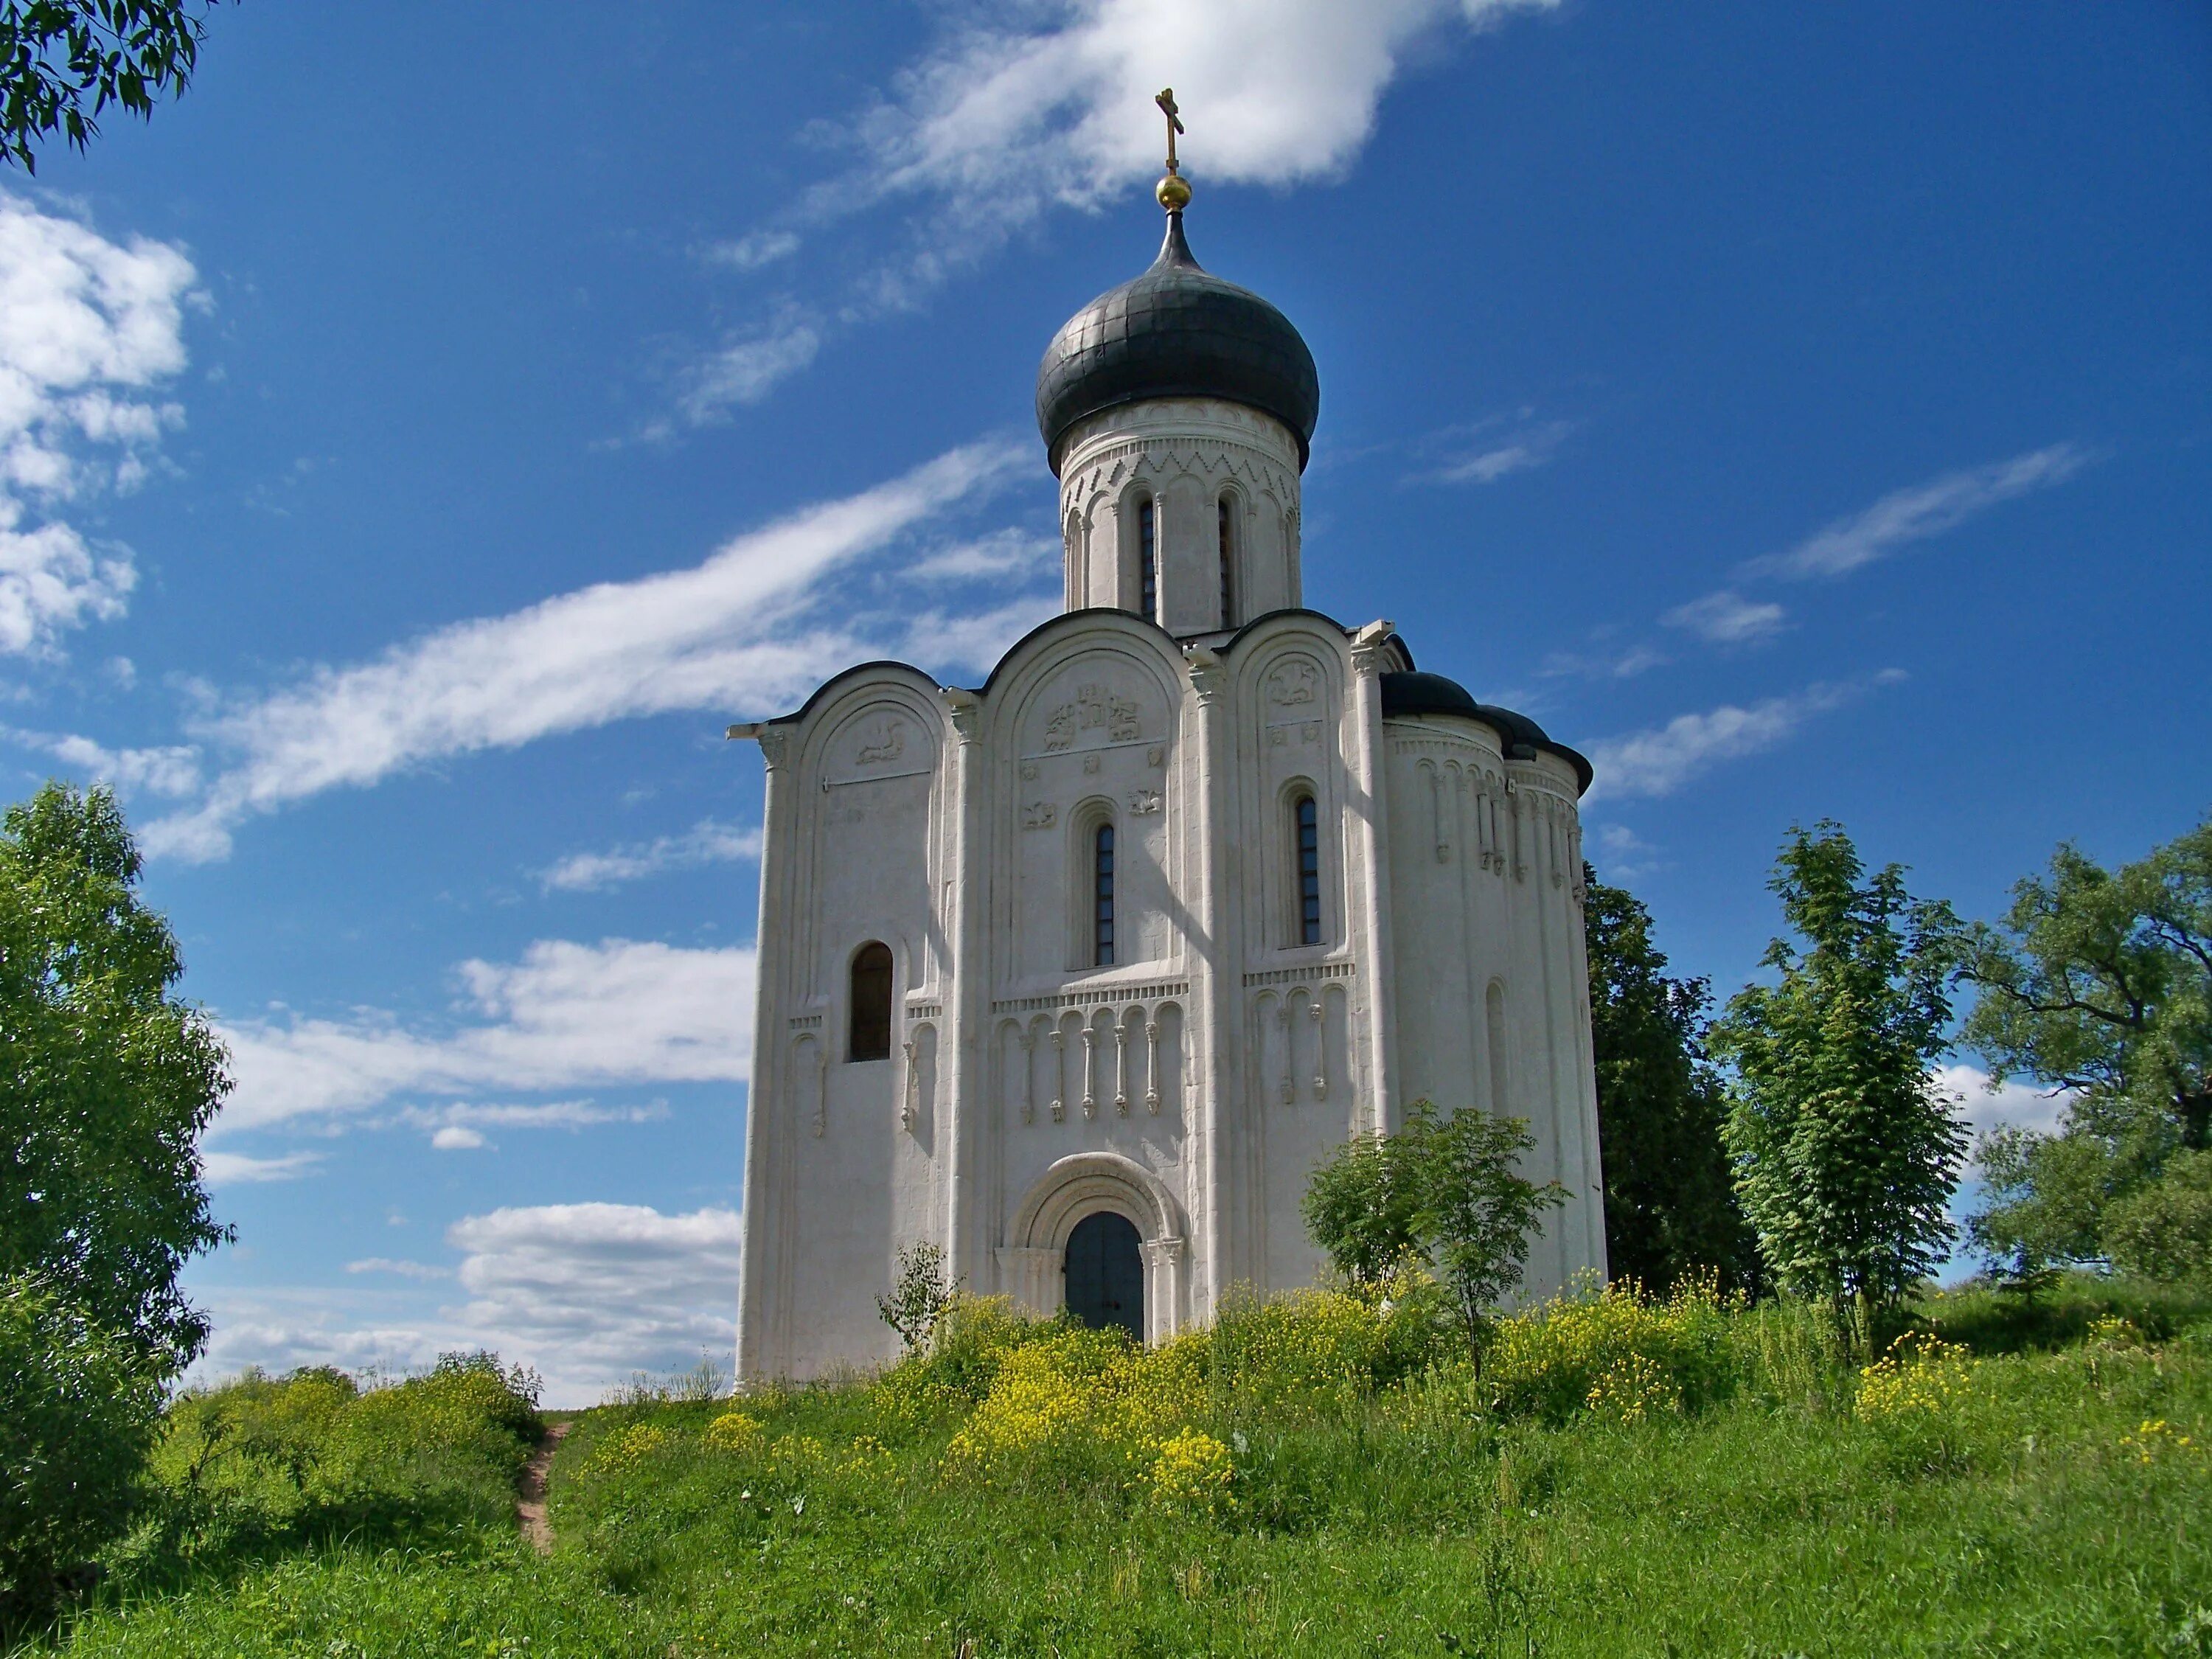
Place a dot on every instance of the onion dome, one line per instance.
(1432, 694)
(1176, 332)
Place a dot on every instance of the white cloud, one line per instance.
(745, 370)
(1622, 855)
(172, 771)
(1727, 618)
(567, 1015)
(455, 1139)
(468, 1117)
(1010, 552)
(1533, 444)
(707, 841)
(1659, 760)
(384, 1264)
(1635, 660)
(2017, 1104)
(610, 1289)
(751, 252)
(587, 1294)
(754, 626)
(973, 639)
(1914, 514)
(88, 328)
(236, 1170)
(1274, 91)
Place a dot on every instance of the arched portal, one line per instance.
(1106, 1273)
(1091, 1219)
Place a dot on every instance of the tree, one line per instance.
(1846, 1152)
(78, 1412)
(1670, 1204)
(1476, 1210)
(2097, 981)
(1361, 1207)
(2163, 1228)
(107, 1079)
(919, 1295)
(1447, 1190)
(58, 56)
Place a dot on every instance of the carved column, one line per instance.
(1152, 1066)
(1089, 1072)
(1120, 1068)
(761, 1269)
(960, 1045)
(1059, 1075)
(1028, 1042)
(1217, 981)
(1370, 657)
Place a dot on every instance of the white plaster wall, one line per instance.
(1485, 866)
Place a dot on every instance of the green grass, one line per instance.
(2030, 1514)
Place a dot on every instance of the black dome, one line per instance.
(1176, 332)
(1433, 694)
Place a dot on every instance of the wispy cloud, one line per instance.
(1727, 618)
(1905, 516)
(1009, 552)
(460, 1125)
(236, 1170)
(753, 627)
(1486, 457)
(745, 369)
(1622, 855)
(384, 1264)
(1018, 108)
(170, 771)
(1661, 759)
(707, 841)
(90, 330)
(565, 1016)
(762, 247)
(1607, 665)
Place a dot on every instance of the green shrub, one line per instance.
(78, 1410)
(261, 1464)
(1614, 1347)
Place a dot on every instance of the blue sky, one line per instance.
(422, 439)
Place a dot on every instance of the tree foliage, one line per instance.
(2098, 982)
(1362, 1207)
(918, 1297)
(1447, 1190)
(78, 1411)
(106, 1078)
(1670, 1204)
(63, 62)
(1846, 1152)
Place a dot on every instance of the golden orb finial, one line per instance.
(1174, 190)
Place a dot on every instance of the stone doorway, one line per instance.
(1106, 1273)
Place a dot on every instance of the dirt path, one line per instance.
(529, 1501)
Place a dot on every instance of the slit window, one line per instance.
(1228, 563)
(1101, 896)
(869, 1036)
(1148, 562)
(1308, 820)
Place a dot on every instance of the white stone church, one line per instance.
(1077, 974)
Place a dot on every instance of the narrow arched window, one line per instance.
(869, 1035)
(1101, 896)
(1308, 820)
(1228, 537)
(1148, 562)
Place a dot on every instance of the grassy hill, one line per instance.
(1313, 1476)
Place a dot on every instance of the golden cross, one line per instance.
(1167, 103)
